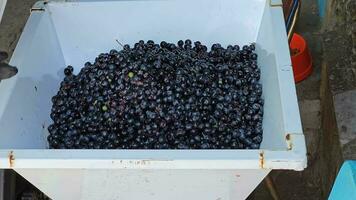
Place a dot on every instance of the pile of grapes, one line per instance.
(161, 96)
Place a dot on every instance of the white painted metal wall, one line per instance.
(145, 184)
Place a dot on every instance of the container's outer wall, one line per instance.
(128, 184)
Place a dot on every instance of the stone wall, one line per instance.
(339, 45)
(345, 12)
(340, 57)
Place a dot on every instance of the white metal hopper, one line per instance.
(60, 33)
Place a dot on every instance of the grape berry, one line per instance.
(161, 96)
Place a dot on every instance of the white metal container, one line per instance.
(59, 33)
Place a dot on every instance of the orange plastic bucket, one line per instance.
(301, 58)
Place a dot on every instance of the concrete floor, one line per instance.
(290, 184)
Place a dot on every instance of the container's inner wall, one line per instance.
(86, 29)
(25, 100)
(73, 33)
(273, 121)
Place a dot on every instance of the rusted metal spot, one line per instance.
(11, 159)
(289, 141)
(262, 160)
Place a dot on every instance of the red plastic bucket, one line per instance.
(301, 58)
